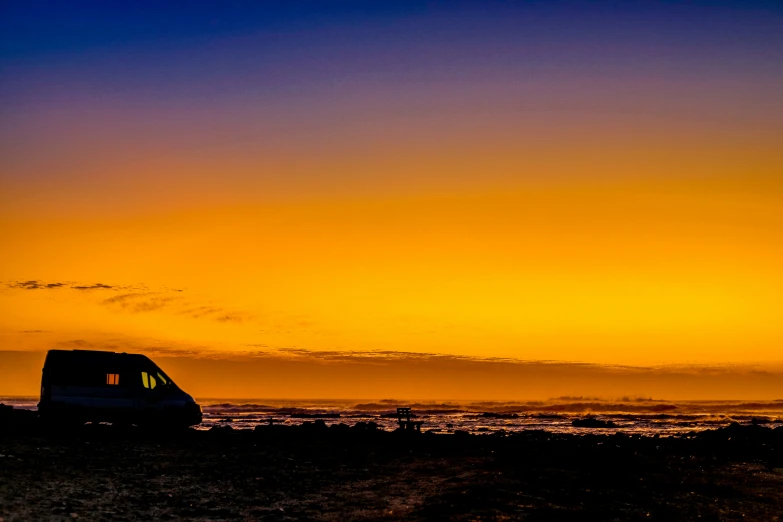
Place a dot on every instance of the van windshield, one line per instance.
(155, 378)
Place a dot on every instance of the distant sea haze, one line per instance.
(641, 416)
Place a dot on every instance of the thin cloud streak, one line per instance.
(139, 302)
(139, 299)
(97, 286)
(34, 284)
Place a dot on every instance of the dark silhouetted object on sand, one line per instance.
(405, 422)
(79, 386)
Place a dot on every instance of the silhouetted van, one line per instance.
(79, 386)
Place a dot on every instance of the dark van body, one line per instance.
(78, 386)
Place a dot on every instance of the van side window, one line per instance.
(148, 380)
(113, 379)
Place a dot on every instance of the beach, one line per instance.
(341, 472)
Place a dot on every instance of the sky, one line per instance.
(472, 200)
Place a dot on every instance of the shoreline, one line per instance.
(556, 418)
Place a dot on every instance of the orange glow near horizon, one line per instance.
(619, 272)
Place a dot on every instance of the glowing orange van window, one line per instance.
(113, 379)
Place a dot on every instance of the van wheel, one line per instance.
(122, 425)
(60, 425)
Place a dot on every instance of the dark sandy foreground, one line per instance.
(342, 473)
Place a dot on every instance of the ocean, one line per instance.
(629, 415)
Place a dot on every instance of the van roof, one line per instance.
(87, 356)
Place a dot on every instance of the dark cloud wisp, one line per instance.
(35, 284)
